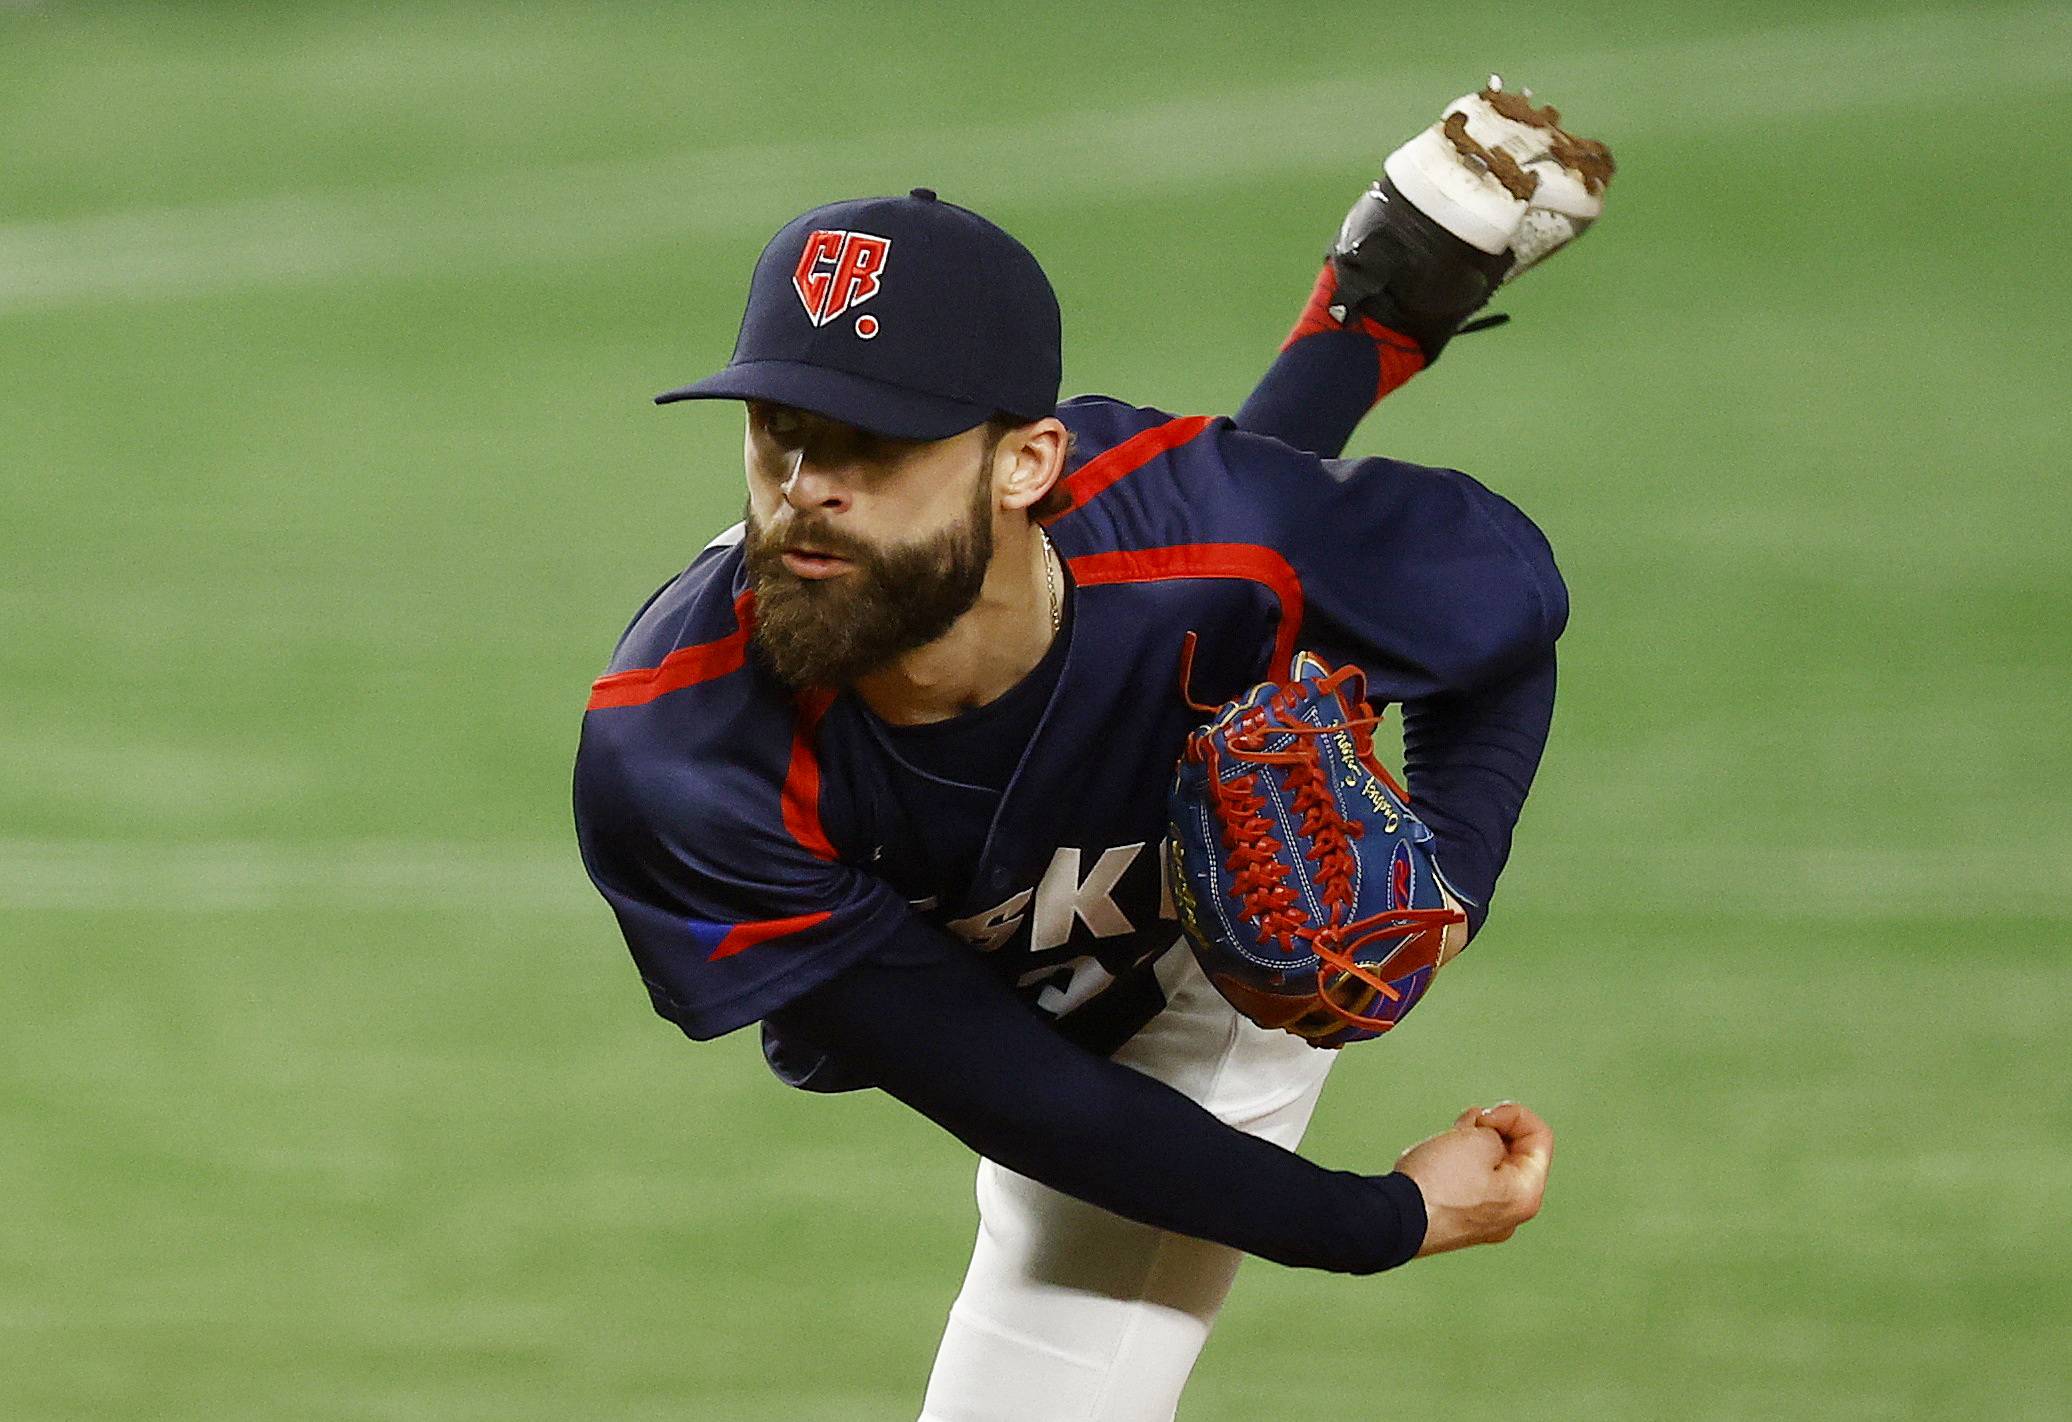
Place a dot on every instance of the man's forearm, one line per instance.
(1469, 761)
(948, 1039)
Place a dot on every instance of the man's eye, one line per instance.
(886, 448)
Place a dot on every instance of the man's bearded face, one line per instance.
(829, 631)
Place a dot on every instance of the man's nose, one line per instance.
(812, 485)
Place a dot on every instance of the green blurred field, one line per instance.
(327, 480)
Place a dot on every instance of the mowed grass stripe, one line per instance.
(469, 222)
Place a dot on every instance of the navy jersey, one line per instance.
(754, 841)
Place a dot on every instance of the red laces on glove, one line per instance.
(1329, 833)
(1258, 878)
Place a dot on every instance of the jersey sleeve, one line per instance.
(1433, 584)
(727, 914)
(935, 1028)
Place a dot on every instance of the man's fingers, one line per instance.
(1524, 1133)
(1470, 1117)
(1517, 1124)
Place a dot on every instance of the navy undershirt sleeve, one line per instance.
(1468, 762)
(1315, 393)
(1470, 759)
(933, 1026)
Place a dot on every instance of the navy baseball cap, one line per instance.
(907, 316)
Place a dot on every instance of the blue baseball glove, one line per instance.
(1305, 885)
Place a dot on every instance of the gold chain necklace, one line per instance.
(1050, 581)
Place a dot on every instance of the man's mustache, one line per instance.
(810, 533)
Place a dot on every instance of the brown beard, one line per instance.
(830, 631)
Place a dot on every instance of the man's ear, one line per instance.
(1028, 461)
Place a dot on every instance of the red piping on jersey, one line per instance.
(1132, 454)
(802, 780)
(1207, 560)
(743, 936)
(686, 666)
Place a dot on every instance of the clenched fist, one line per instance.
(1483, 1178)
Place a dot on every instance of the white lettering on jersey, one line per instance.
(1061, 900)
(988, 930)
(1088, 981)
(1061, 897)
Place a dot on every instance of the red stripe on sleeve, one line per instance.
(802, 779)
(1316, 314)
(1207, 560)
(1400, 359)
(1132, 454)
(743, 936)
(686, 666)
(1400, 356)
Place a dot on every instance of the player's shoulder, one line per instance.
(696, 619)
(684, 720)
(703, 818)
(1141, 476)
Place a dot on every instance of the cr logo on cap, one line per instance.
(838, 270)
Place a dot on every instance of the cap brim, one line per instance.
(852, 399)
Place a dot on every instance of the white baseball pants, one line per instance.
(1071, 1314)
